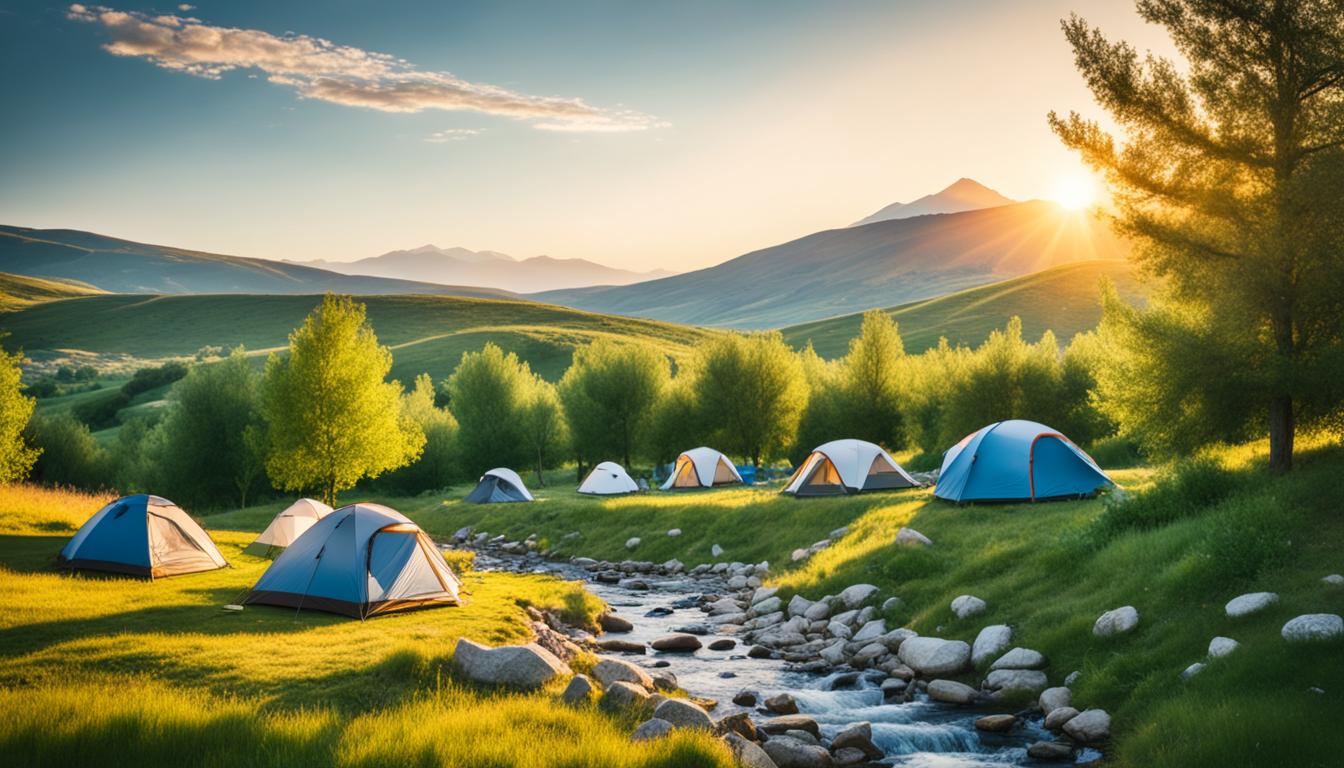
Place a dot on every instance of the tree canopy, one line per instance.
(608, 394)
(752, 391)
(487, 392)
(16, 456)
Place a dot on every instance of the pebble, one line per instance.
(1222, 646)
(1245, 605)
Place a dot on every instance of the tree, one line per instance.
(676, 423)
(439, 464)
(608, 394)
(822, 419)
(331, 416)
(753, 392)
(870, 377)
(487, 392)
(69, 453)
(16, 456)
(1228, 179)
(543, 424)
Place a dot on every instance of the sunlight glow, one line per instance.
(1076, 191)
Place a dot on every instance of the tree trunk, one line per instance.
(541, 482)
(1281, 428)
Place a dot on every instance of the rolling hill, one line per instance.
(961, 195)
(123, 266)
(1064, 299)
(855, 268)
(19, 291)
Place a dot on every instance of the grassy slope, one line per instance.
(18, 291)
(123, 672)
(427, 334)
(1064, 299)
(1040, 570)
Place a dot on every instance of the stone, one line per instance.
(896, 637)
(1334, 580)
(868, 654)
(1032, 680)
(911, 537)
(798, 605)
(892, 686)
(951, 692)
(610, 622)
(579, 691)
(782, 704)
(516, 666)
(855, 595)
(991, 641)
(817, 611)
(870, 631)
(1055, 698)
(1116, 622)
(857, 736)
(723, 644)
(833, 654)
(848, 756)
(996, 723)
(633, 583)
(664, 680)
(715, 551)
(840, 630)
(609, 671)
(1089, 726)
(632, 542)
(1222, 646)
(762, 593)
(846, 617)
(1020, 658)
(674, 532)
(1245, 605)
(1058, 717)
(1050, 750)
(768, 605)
(785, 723)
(650, 730)
(620, 696)
(748, 754)
(891, 604)
(760, 652)
(739, 723)
(1192, 670)
(738, 582)
(674, 566)
(617, 645)
(788, 752)
(726, 605)
(684, 714)
(1072, 678)
(679, 642)
(838, 533)
(1313, 627)
(934, 656)
(966, 606)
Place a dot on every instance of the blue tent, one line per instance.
(142, 535)
(1017, 461)
(361, 560)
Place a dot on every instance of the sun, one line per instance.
(1075, 191)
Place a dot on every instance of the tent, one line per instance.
(702, 468)
(361, 561)
(608, 479)
(288, 526)
(847, 466)
(500, 484)
(1017, 461)
(142, 535)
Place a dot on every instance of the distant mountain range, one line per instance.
(123, 266)
(460, 266)
(963, 195)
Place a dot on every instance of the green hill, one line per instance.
(19, 291)
(426, 333)
(1064, 299)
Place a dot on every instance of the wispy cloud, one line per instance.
(452, 134)
(319, 69)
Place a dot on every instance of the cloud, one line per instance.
(184, 7)
(324, 71)
(452, 134)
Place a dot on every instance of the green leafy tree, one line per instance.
(16, 456)
(1228, 176)
(871, 382)
(543, 424)
(676, 423)
(823, 418)
(69, 453)
(487, 392)
(753, 391)
(608, 395)
(439, 464)
(929, 380)
(331, 416)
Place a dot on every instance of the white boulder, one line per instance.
(1016, 680)
(857, 594)
(1089, 726)
(951, 692)
(911, 537)
(1020, 658)
(935, 656)
(1313, 627)
(991, 641)
(1222, 646)
(966, 606)
(1245, 605)
(517, 666)
(1116, 622)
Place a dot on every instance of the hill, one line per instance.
(855, 268)
(962, 195)
(19, 291)
(1063, 299)
(460, 266)
(123, 266)
(426, 333)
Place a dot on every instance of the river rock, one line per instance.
(868, 654)
(996, 723)
(649, 730)
(684, 714)
(817, 611)
(911, 537)
(934, 656)
(766, 606)
(1032, 680)
(738, 582)
(632, 542)
(516, 666)
(664, 680)
(610, 622)
(855, 595)
(1334, 580)
(782, 704)
(760, 652)
(762, 593)
(739, 723)
(788, 752)
(633, 583)
(1055, 698)
(1313, 627)
(617, 645)
(727, 605)
(870, 631)
(723, 644)
(1245, 605)
(620, 696)
(1020, 658)
(896, 637)
(745, 698)
(579, 691)
(798, 605)
(857, 736)
(1089, 726)
(951, 692)
(1192, 670)
(1072, 677)
(1222, 646)
(748, 754)
(1116, 622)
(991, 641)
(1050, 750)
(965, 606)
(840, 630)
(849, 756)
(833, 654)
(609, 671)
(1058, 717)
(678, 642)
(785, 723)
(892, 686)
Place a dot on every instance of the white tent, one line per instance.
(500, 484)
(702, 468)
(288, 526)
(847, 466)
(608, 479)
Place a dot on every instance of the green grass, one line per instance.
(1064, 299)
(426, 333)
(118, 671)
(19, 291)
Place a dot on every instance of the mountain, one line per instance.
(18, 291)
(846, 270)
(123, 266)
(962, 195)
(460, 266)
(1064, 299)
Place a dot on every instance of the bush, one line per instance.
(1115, 453)
(146, 379)
(439, 465)
(1187, 488)
(41, 388)
(70, 455)
(1251, 535)
(101, 412)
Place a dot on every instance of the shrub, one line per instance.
(1251, 535)
(41, 388)
(1189, 487)
(146, 379)
(70, 455)
(100, 412)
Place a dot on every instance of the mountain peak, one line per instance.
(964, 194)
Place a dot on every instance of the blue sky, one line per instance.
(641, 135)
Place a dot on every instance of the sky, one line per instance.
(641, 135)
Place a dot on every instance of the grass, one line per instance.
(128, 672)
(1064, 299)
(19, 291)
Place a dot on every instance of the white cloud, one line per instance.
(184, 7)
(319, 69)
(452, 134)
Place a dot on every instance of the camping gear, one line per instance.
(608, 479)
(847, 466)
(141, 535)
(1017, 461)
(702, 468)
(287, 526)
(362, 560)
(498, 486)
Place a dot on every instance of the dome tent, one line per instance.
(608, 479)
(1017, 461)
(702, 468)
(287, 526)
(362, 560)
(499, 485)
(141, 535)
(847, 466)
